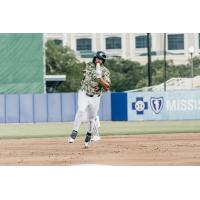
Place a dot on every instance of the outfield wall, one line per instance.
(176, 105)
(138, 106)
(30, 108)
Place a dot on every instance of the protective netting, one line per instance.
(21, 63)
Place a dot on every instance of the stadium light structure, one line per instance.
(165, 63)
(191, 52)
(149, 58)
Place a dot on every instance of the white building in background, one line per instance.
(130, 45)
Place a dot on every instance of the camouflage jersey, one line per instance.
(90, 83)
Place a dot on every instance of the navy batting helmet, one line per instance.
(100, 55)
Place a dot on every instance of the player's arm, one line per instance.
(104, 84)
(104, 79)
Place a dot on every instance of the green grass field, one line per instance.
(107, 128)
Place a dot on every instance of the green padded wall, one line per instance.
(21, 63)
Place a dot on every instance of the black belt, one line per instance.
(91, 95)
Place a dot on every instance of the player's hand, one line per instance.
(97, 61)
(106, 88)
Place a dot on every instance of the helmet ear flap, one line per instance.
(94, 59)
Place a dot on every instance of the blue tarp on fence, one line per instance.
(58, 107)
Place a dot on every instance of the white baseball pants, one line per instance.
(86, 106)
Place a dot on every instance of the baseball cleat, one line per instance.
(70, 140)
(87, 144)
(88, 139)
(95, 138)
(72, 137)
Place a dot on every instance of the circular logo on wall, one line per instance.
(139, 106)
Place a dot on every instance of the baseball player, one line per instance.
(96, 135)
(97, 80)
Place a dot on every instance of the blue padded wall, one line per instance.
(105, 107)
(40, 108)
(12, 108)
(68, 106)
(119, 106)
(3, 109)
(57, 107)
(26, 108)
(54, 107)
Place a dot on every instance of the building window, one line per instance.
(84, 44)
(153, 53)
(58, 42)
(141, 41)
(113, 43)
(175, 41)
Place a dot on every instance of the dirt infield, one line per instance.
(158, 149)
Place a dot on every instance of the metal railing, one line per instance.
(173, 84)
